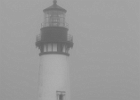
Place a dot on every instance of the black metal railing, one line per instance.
(70, 38)
(38, 38)
(58, 24)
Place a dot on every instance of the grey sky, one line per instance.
(104, 63)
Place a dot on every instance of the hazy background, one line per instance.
(104, 63)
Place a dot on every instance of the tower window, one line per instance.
(60, 95)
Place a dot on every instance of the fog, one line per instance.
(104, 62)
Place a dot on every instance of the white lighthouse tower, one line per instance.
(54, 43)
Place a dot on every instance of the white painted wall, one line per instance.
(54, 76)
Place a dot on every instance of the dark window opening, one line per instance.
(60, 95)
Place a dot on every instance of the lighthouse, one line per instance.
(54, 44)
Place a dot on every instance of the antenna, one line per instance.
(55, 2)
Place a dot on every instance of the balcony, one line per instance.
(54, 24)
(69, 38)
(38, 38)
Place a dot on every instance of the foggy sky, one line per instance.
(104, 62)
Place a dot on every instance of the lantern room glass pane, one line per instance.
(54, 18)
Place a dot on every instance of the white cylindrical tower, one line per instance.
(54, 43)
(54, 77)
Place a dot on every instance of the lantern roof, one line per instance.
(55, 7)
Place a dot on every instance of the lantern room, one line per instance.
(54, 16)
(54, 37)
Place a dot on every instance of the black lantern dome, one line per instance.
(55, 7)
